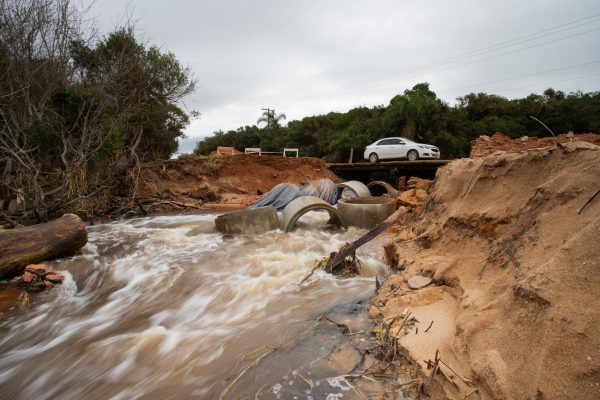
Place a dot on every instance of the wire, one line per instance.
(548, 82)
(524, 76)
(491, 48)
(473, 53)
(360, 89)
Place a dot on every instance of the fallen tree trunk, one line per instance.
(30, 245)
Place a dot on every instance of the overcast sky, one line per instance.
(311, 57)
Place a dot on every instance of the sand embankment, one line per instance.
(515, 304)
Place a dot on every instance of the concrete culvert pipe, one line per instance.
(354, 189)
(366, 212)
(381, 188)
(302, 205)
(254, 221)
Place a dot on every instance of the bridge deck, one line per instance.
(388, 171)
(385, 165)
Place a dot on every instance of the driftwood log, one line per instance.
(33, 244)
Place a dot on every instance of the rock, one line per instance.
(54, 277)
(379, 280)
(39, 276)
(418, 282)
(28, 277)
(412, 197)
(415, 182)
(570, 134)
(421, 195)
(41, 268)
(524, 139)
(408, 198)
(485, 138)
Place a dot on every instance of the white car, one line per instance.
(399, 147)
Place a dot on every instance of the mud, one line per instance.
(221, 183)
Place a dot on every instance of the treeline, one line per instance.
(79, 113)
(420, 115)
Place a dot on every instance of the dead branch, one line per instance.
(580, 209)
(436, 366)
(252, 364)
(559, 144)
(429, 327)
(349, 249)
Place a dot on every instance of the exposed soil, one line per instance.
(514, 307)
(486, 145)
(222, 182)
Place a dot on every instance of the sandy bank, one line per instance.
(514, 307)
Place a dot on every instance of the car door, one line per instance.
(384, 148)
(401, 149)
(395, 148)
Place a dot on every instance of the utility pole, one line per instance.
(270, 115)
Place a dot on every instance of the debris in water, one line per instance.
(23, 301)
(38, 277)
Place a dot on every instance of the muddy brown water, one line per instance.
(165, 307)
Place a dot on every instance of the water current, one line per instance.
(165, 307)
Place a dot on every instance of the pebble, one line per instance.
(419, 282)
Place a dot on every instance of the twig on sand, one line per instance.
(252, 364)
(345, 328)
(465, 380)
(559, 144)
(580, 209)
(309, 383)
(253, 352)
(429, 327)
(435, 368)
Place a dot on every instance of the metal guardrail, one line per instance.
(260, 152)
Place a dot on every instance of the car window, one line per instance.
(390, 142)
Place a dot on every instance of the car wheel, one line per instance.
(373, 157)
(413, 155)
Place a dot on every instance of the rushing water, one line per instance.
(164, 307)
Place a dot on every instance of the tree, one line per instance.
(417, 113)
(78, 115)
(147, 84)
(271, 119)
(270, 140)
(35, 39)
